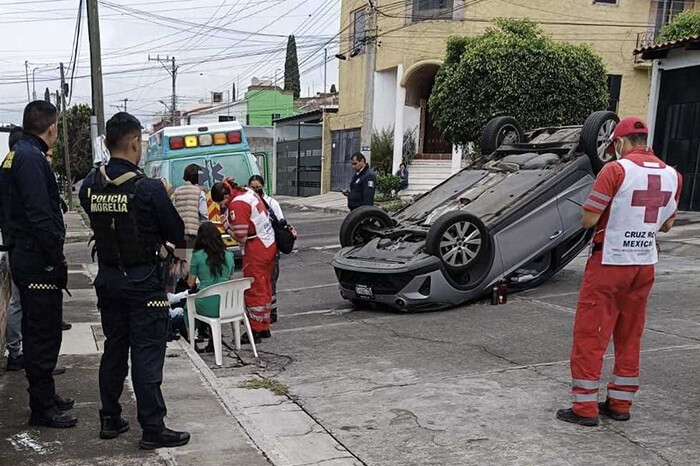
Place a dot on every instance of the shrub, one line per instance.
(386, 184)
(685, 24)
(514, 69)
(382, 150)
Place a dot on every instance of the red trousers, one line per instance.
(612, 302)
(259, 263)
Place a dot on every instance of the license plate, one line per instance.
(364, 292)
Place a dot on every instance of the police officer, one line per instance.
(131, 217)
(363, 184)
(32, 225)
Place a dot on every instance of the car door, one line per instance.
(534, 231)
(574, 192)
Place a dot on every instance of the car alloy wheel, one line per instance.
(596, 134)
(509, 134)
(604, 139)
(460, 244)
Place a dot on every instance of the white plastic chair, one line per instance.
(231, 310)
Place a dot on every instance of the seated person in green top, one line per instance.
(211, 264)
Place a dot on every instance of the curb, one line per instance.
(328, 210)
(270, 446)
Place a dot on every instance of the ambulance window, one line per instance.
(231, 165)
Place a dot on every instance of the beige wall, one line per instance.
(405, 43)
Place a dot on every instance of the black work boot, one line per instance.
(265, 334)
(568, 415)
(245, 339)
(112, 426)
(607, 412)
(165, 439)
(64, 404)
(53, 418)
(15, 364)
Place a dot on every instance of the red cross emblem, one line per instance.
(653, 199)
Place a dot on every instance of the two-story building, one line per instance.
(262, 103)
(411, 37)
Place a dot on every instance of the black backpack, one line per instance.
(283, 233)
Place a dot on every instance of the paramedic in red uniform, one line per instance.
(632, 199)
(246, 218)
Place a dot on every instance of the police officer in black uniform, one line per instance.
(131, 217)
(32, 226)
(363, 184)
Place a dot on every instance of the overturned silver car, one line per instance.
(513, 217)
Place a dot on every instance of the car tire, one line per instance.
(351, 228)
(500, 130)
(459, 239)
(595, 137)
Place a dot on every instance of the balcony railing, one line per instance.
(645, 39)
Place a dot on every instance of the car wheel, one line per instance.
(459, 239)
(356, 228)
(500, 130)
(596, 136)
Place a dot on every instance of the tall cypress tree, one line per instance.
(47, 95)
(291, 69)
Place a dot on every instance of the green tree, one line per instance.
(514, 69)
(291, 68)
(382, 149)
(78, 121)
(685, 24)
(47, 95)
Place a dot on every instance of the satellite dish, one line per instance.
(255, 81)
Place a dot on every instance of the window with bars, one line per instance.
(432, 9)
(667, 10)
(358, 31)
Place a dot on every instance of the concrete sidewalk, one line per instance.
(77, 228)
(332, 202)
(193, 405)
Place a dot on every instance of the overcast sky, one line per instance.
(240, 39)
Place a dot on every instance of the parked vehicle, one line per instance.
(512, 217)
(221, 149)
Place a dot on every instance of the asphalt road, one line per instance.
(478, 384)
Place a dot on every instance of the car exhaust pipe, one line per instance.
(400, 303)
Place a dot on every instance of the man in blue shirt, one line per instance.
(363, 184)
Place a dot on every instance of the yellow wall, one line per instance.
(404, 43)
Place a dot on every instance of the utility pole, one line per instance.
(325, 63)
(169, 64)
(125, 101)
(98, 107)
(66, 153)
(34, 82)
(370, 43)
(26, 75)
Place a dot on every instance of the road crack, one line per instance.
(639, 444)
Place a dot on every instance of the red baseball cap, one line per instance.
(627, 126)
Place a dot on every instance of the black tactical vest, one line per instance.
(119, 240)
